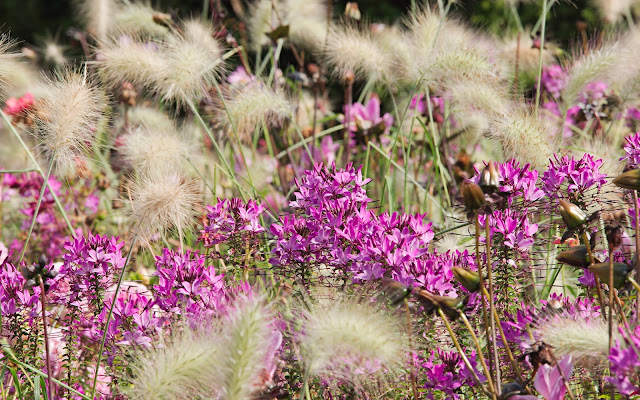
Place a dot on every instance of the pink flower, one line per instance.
(17, 106)
(549, 381)
(364, 117)
(240, 76)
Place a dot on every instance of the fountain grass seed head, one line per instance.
(147, 150)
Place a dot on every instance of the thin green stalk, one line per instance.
(35, 212)
(478, 348)
(492, 306)
(37, 166)
(43, 374)
(43, 303)
(483, 298)
(17, 171)
(542, 33)
(491, 392)
(106, 325)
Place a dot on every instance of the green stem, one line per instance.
(35, 212)
(544, 26)
(106, 325)
(37, 167)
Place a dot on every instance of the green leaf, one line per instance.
(280, 32)
(16, 382)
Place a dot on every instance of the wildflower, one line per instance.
(573, 177)
(18, 106)
(632, 150)
(448, 372)
(363, 118)
(625, 363)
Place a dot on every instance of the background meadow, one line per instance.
(319, 200)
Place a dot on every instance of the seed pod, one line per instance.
(620, 272)
(576, 257)
(489, 180)
(467, 278)
(472, 196)
(628, 180)
(571, 214)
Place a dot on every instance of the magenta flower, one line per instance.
(362, 118)
(240, 76)
(625, 363)
(18, 106)
(549, 382)
(632, 150)
(568, 176)
(554, 80)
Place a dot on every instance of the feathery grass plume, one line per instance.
(193, 64)
(459, 63)
(395, 44)
(142, 64)
(136, 20)
(350, 49)
(588, 68)
(201, 33)
(146, 150)
(151, 118)
(307, 21)
(624, 74)
(483, 95)
(15, 74)
(353, 339)
(180, 369)
(569, 335)
(528, 55)
(97, 16)
(523, 136)
(66, 117)
(250, 105)
(246, 347)
(53, 54)
(161, 201)
(612, 10)
(260, 19)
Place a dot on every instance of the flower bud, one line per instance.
(472, 195)
(620, 272)
(575, 256)
(628, 180)
(162, 19)
(467, 278)
(571, 214)
(489, 180)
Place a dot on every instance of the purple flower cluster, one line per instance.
(231, 219)
(515, 182)
(332, 227)
(553, 80)
(569, 178)
(513, 227)
(448, 372)
(625, 363)
(360, 117)
(632, 150)
(187, 286)
(50, 232)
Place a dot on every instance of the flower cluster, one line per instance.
(448, 372)
(632, 150)
(187, 286)
(366, 118)
(333, 228)
(569, 178)
(625, 362)
(515, 182)
(230, 219)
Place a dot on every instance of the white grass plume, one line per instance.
(307, 21)
(181, 369)
(151, 118)
(15, 74)
(523, 137)
(245, 348)
(577, 337)
(260, 20)
(350, 49)
(97, 16)
(201, 33)
(53, 54)
(612, 10)
(147, 150)
(588, 68)
(142, 64)
(162, 201)
(528, 55)
(193, 66)
(66, 117)
(136, 20)
(480, 94)
(248, 107)
(350, 334)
